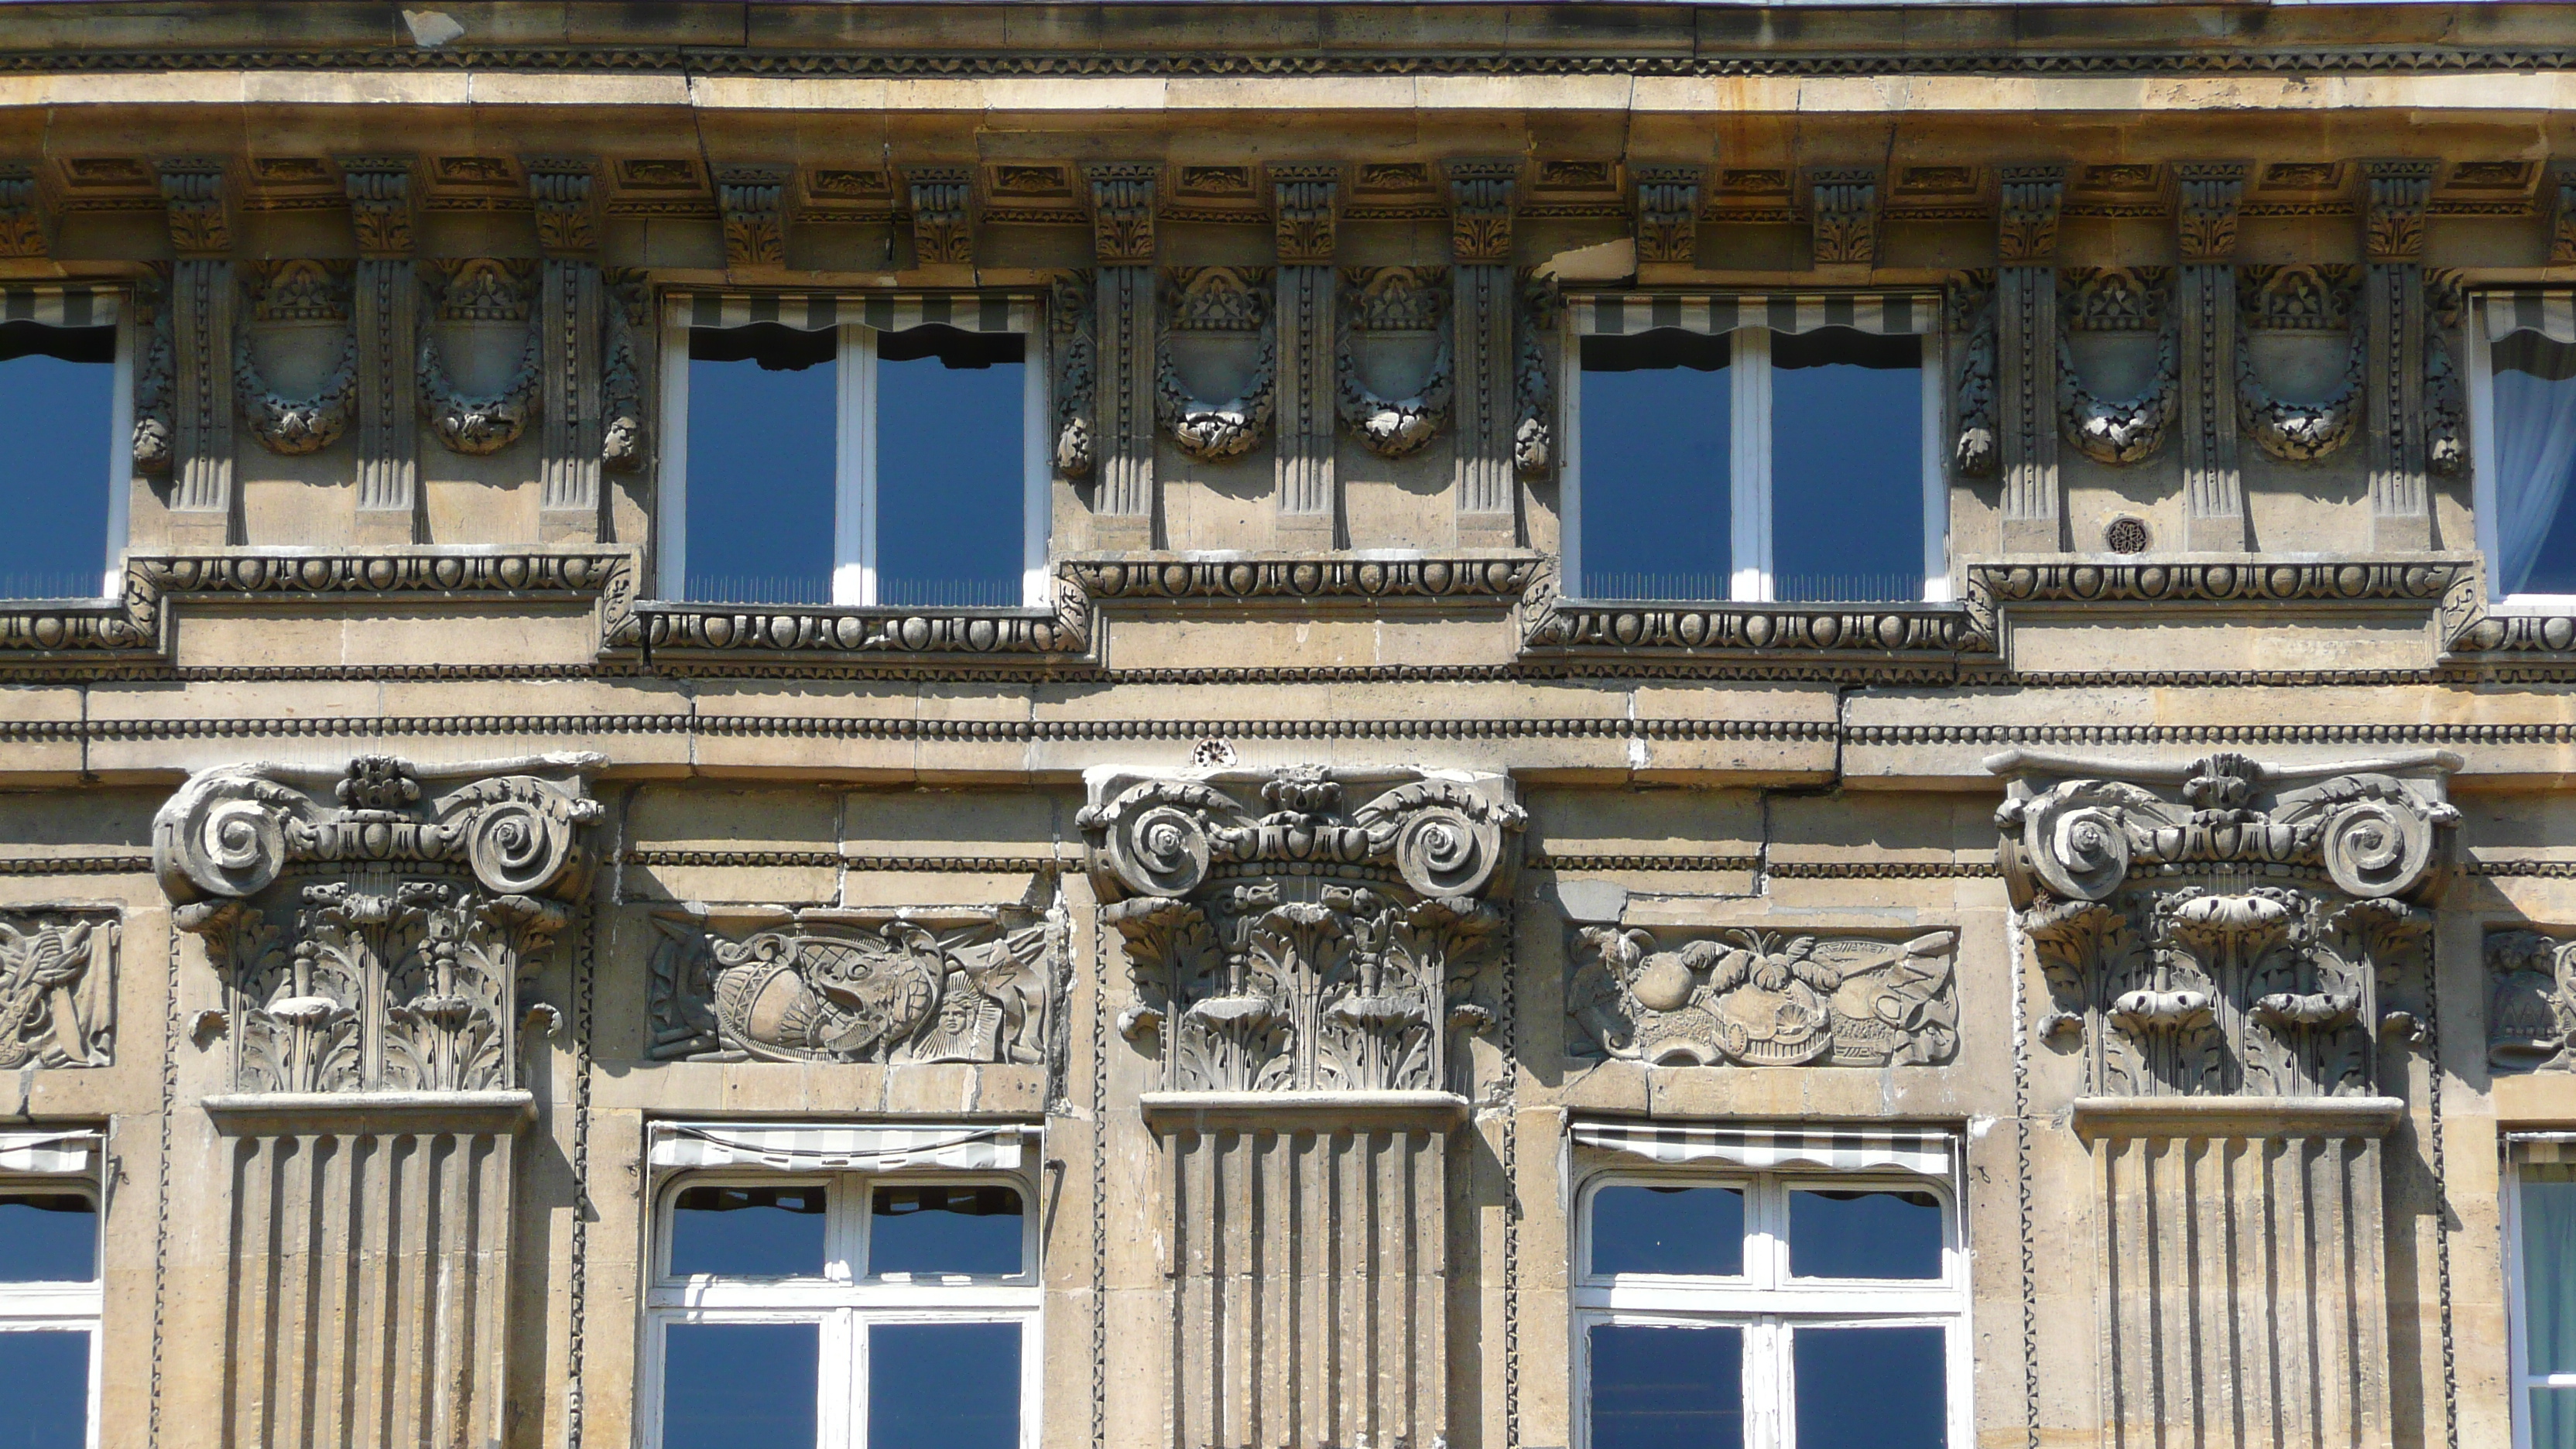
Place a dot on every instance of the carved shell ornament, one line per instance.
(1393, 299)
(1217, 300)
(2301, 299)
(480, 289)
(297, 291)
(2118, 431)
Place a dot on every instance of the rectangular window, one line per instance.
(1719, 1306)
(1754, 448)
(50, 1298)
(876, 450)
(848, 1306)
(2522, 370)
(2540, 1230)
(64, 409)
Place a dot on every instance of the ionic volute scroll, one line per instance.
(1282, 939)
(2226, 928)
(372, 927)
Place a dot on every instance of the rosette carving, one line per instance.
(2226, 926)
(1281, 940)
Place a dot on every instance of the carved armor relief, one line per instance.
(2226, 927)
(373, 938)
(57, 988)
(1738, 997)
(842, 986)
(2531, 1000)
(1308, 930)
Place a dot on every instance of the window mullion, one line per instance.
(1749, 462)
(854, 508)
(1935, 369)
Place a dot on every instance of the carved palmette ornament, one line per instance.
(1217, 300)
(1393, 299)
(372, 938)
(2118, 431)
(1302, 943)
(485, 290)
(297, 291)
(57, 988)
(1762, 998)
(2227, 927)
(831, 987)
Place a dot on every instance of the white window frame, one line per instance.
(2482, 482)
(2522, 1381)
(1765, 1302)
(1749, 455)
(117, 475)
(841, 1302)
(58, 1307)
(854, 494)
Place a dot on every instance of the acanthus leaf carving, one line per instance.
(753, 203)
(1393, 299)
(479, 289)
(1480, 209)
(57, 988)
(2026, 226)
(2206, 208)
(2398, 193)
(1740, 997)
(943, 222)
(2227, 927)
(835, 986)
(2531, 1000)
(1844, 203)
(1217, 300)
(562, 192)
(380, 203)
(1122, 211)
(1667, 202)
(1301, 944)
(1308, 198)
(374, 940)
(26, 222)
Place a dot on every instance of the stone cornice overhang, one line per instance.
(1340, 39)
(1964, 642)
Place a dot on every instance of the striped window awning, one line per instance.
(48, 1154)
(2549, 311)
(1892, 314)
(60, 305)
(1916, 1150)
(884, 311)
(977, 1147)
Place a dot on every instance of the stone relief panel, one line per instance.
(1761, 998)
(1329, 937)
(838, 986)
(2227, 927)
(57, 988)
(2531, 1001)
(374, 939)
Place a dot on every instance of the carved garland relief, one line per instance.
(2300, 298)
(2118, 299)
(1305, 942)
(375, 941)
(1761, 998)
(297, 292)
(1394, 300)
(57, 988)
(1217, 300)
(2231, 928)
(479, 289)
(844, 987)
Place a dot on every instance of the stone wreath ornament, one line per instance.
(2119, 431)
(294, 426)
(1396, 427)
(479, 290)
(2300, 432)
(1217, 299)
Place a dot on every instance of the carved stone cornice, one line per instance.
(1308, 200)
(193, 191)
(26, 218)
(1305, 580)
(1480, 209)
(1667, 205)
(1305, 930)
(2205, 211)
(943, 217)
(1843, 209)
(1740, 997)
(2227, 928)
(371, 924)
(2026, 228)
(753, 203)
(1122, 211)
(562, 189)
(2393, 217)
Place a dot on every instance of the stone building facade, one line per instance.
(1320, 963)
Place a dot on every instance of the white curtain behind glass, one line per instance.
(2549, 1298)
(2535, 451)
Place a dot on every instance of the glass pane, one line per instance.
(48, 1377)
(1871, 1388)
(48, 1237)
(916, 1374)
(2535, 455)
(1667, 1388)
(2553, 1419)
(1656, 410)
(739, 1385)
(57, 387)
(762, 453)
(1638, 1229)
(950, 494)
(1865, 1233)
(748, 1231)
(2549, 1268)
(1846, 466)
(945, 1228)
